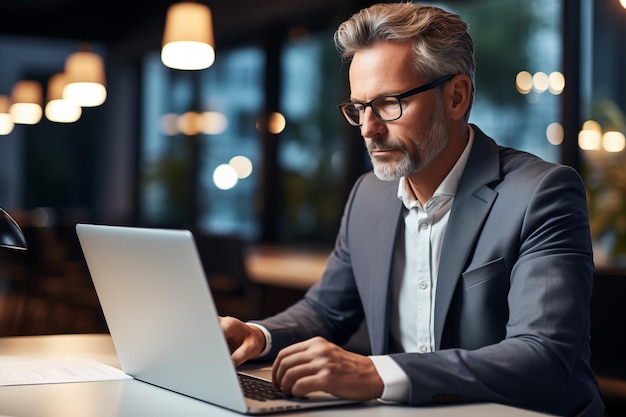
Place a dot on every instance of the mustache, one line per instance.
(373, 145)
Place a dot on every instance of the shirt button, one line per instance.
(423, 285)
(424, 226)
(423, 348)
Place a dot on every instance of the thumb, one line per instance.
(240, 355)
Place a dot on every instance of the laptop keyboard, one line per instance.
(259, 389)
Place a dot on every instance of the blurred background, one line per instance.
(251, 153)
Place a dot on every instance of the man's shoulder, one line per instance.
(523, 173)
(514, 160)
(514, 166)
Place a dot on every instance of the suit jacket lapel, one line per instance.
(385, 229)
(471, 205)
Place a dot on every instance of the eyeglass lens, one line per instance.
(385, 108)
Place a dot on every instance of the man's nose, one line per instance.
(372, 125)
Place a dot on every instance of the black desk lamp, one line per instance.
(11, 235)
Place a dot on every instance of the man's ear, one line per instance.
(459, 92)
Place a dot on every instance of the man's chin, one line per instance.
(386, 174)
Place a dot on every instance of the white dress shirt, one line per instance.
(414, 276)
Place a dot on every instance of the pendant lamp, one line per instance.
(188, 42)
(86, 85)
(6, 120)
(27, 97)
(57, 108)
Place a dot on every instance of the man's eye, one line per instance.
(387, 102)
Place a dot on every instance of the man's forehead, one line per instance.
(384, 68)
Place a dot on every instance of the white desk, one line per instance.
(130, 398)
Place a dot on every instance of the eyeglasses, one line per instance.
(386, 108)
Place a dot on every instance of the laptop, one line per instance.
(163, 321)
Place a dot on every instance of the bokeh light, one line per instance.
(225, 177)
(242, 165)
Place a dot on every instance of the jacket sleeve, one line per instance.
(331, 308)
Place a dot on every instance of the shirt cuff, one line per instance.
(394, 378)
(268, 338)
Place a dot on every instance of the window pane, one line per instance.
(310, 147)
(602, 140)
(525, 36)
(195, 124)
(233, 87)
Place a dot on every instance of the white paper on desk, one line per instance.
(16, 371)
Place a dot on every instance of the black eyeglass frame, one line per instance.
(412, 92)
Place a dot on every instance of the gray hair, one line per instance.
(442, 44)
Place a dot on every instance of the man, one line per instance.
(470, 263)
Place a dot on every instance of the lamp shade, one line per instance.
(11, 235)
(6, 120)
(188, 42)
(27, 97)
(86, 84)
(57, 108)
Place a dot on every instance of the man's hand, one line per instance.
(244, 341)
(318, 365)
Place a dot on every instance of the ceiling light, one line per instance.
(57, 108)
(6, 120)
(188, 42)
(27, 98)
(86, 85)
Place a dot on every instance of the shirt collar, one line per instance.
(450, 183)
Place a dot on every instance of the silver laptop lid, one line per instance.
(159, 310)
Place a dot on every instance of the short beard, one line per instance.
(390, 171)
(428, 144)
